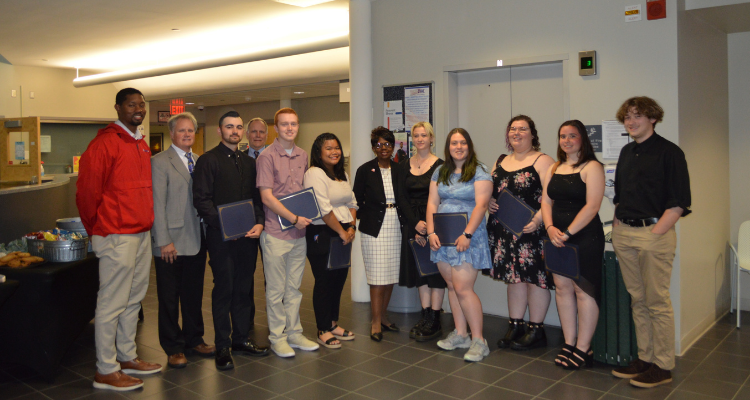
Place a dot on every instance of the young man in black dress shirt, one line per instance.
(225, 175)
(652, 192)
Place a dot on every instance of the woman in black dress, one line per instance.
(415, 176)
(518, 260)
(573, 193)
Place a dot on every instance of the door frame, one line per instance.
(450, 80)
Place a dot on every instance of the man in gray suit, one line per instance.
(178, 246)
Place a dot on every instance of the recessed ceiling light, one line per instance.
(299, 92)
(302, 3)
(175, 29)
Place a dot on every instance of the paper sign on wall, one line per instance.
(417, 108)
(393, 116)
(614, 138)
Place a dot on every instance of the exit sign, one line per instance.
(177, 106)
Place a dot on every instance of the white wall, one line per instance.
(702, 272)
(54, 94)
(739, 139)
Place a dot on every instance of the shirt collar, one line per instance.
(179, 151)
(648, 143)
(224, 149)
(137, 135)
(276, 145)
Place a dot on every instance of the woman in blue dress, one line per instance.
(462, 184)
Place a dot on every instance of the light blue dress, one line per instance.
(460, 197)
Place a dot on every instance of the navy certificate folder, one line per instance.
(236, 219)
(422, 258)
(302, 203)
(562, 260)
(513, 213)
(340, 255)
(449, 226)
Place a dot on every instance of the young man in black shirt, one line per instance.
(652, 192)
(225, 175)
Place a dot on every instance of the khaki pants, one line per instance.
(124, 265)
(646, 264)
(283, 266)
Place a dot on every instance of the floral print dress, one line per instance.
(514, 259)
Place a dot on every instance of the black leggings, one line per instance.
(328, 283)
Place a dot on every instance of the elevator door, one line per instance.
(486, 101)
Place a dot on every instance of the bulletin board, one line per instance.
(403, 94)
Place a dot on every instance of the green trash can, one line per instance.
(614, 341)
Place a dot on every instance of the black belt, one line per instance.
(638, 223)
(390, 205)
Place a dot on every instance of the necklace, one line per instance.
(420, 163)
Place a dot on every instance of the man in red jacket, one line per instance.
(116, 205)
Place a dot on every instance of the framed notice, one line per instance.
(164, 116)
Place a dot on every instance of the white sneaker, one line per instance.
(478, 350)
(282, 349)
(299, 341)
(454, 341)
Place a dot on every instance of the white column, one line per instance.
(360, 117)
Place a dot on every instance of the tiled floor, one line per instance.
(716, 367)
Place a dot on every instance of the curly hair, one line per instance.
(382, 132)
(644, 106)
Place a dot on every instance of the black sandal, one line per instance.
(564, 355)
(330, 342)
(579, 359)
(348, 335)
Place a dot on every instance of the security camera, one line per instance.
(200, 108)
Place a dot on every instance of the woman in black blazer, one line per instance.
(376, 190)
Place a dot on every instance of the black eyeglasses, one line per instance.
(387, 145)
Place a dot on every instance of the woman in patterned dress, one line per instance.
(376, 189)
(518, 260)
(462, 184)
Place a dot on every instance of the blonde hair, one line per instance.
(428, 128)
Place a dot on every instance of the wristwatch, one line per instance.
(468, 235)
(567, 232)
(352, 226)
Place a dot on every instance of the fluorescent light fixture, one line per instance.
(302, 3)
(308, 45)
(189, 104)
(299, 92)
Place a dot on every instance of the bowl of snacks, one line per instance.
(57, 245)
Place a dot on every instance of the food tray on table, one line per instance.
(19, 260)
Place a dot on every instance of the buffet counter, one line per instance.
(50, 308)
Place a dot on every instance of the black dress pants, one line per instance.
(180, 286)
(233, 266)
(328, 283)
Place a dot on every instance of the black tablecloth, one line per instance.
(53, 304)
(7, 288)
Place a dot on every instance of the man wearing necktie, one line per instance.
(226, 175)
(178, 246)
(257, 134)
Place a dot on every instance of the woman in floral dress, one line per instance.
(518, 260)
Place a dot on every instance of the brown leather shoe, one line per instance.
(203, 349)
(655, 376)
(634, 369)
(177, 361)
(116, 381)
(137, 366)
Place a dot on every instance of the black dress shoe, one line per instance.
(376, 336)
(250, 348)
(516, 330)
(534, 337)
(392, 327)
(224, 359)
